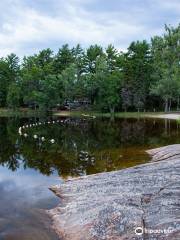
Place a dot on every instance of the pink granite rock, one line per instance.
(110, 206)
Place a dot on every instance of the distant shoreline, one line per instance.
(159, 115)
(25, 112)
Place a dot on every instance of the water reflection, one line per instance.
(23, 196)
(83, 146)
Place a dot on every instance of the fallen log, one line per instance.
(141, 202)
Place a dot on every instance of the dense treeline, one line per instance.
(146, 77)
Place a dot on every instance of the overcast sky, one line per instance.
(27, 26)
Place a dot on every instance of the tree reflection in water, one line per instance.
(83, 146)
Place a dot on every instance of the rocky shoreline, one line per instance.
(112, 206)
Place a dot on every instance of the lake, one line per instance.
(81, 146)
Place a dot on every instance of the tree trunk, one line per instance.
(112, 110)
(178, 104)
(166, 105)
(170, 105)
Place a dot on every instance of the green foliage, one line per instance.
(145, 77)
(166, 66)
(9, 72)
(14, 96)
(49, 97)
(69, 78)
(136, 75)
(63, 59)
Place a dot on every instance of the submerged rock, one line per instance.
(111, 206)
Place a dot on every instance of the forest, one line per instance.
(146, 77)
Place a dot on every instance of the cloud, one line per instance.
(28, 26)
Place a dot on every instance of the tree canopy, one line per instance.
(145, 77)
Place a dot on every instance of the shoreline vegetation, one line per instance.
(162, 115)
(145, 77)
(25, 112)
(21, 112)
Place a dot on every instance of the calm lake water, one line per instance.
(29, 166)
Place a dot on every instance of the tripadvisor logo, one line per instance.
(140, 231)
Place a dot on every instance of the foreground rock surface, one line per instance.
(112, 205)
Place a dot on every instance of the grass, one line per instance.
(21, 112)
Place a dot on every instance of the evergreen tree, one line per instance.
(136, 75)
